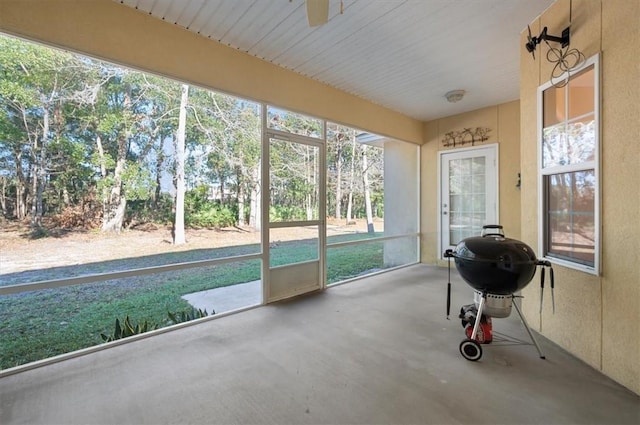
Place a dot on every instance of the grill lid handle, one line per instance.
(492, 230)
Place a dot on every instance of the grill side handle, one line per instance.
(543, 264)
(448, 254)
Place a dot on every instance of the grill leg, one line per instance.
(479, 316)
(526, 326)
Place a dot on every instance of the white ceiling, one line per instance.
(402, 54)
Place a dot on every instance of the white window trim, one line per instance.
(595, 165)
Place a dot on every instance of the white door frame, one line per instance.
(493, 149)
(294, 279)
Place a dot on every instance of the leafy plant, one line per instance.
(212, 216)
(126, 329)
(185, 316)
(286, 213)
(38, 232)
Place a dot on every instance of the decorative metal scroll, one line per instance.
(466, 136)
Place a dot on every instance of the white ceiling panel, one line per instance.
(203, 20)
(254, 26)
(160, 7)
(401, 54)
(183, 13)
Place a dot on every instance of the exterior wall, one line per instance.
(596, 316)
(504, 122)
(110, 31)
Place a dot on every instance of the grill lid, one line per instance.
(493, 248)
(494, 264)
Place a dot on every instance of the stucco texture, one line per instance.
(596, 316)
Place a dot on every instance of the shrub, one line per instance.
(213, 216)
(185, 316)
(86, 215)
(126, 329)
(280, 213)
(147, 211)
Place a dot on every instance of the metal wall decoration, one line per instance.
(466, 136)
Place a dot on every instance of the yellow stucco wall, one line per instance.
(504, 122)
(107, 30)
(596, 316)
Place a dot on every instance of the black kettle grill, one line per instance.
(495, 267)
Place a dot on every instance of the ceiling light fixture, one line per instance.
(455, 95)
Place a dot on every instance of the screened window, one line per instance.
(569, 169)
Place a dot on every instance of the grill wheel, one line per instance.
(470, 350)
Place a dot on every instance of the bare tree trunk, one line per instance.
(309, 177)
(3, 196)
(65, 197)
(34, 187)
(339, 182)
(159, 165)
(367, 194)
(115, 207)
(222, 183)
(21, 185)
(39, 173)
(103, 165)
(240, 197)
(21, 202)
(115, 203)
(35, 165)
(352, 178)
(254, 213)
(178, 226)
(156, 193)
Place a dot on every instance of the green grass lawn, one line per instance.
(42, 324)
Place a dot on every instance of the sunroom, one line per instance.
(410, 150)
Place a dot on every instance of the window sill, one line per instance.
(574, 266)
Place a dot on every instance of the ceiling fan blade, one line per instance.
(317, 12)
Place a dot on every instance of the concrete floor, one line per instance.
(377, 350)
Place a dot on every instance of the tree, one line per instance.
(230, 140)
(352, 177)
(338, 155)
(367, 189)
(76, 131)
(294, 167)
(178, 226)
(36, 85)
(119, 124)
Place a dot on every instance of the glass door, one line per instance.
(468, 197)
(295, 225)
